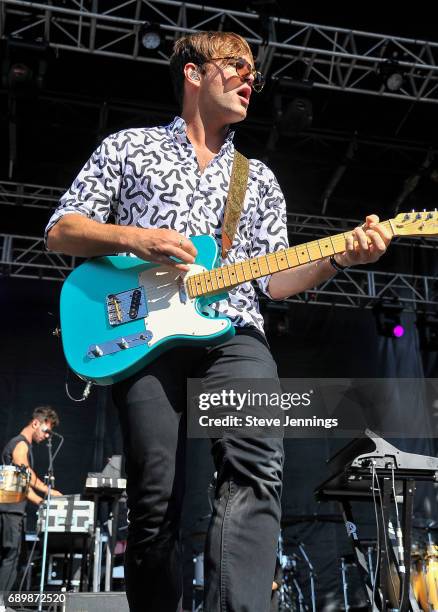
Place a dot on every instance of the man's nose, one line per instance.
(249, 78)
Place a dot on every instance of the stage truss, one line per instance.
(309, 226)
(27, 257)
(329, 57)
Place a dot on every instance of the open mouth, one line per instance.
(244, 94)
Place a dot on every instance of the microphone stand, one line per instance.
(311, 574)
(49, 479)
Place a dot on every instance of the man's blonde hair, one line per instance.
(200, 48)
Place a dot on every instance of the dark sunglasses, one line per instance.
(244, 70)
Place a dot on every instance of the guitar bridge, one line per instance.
(126, 306)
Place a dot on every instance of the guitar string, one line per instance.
(335, 240)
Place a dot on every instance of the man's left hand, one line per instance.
(366, 244)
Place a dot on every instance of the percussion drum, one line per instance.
(14, 483)
(425, 579)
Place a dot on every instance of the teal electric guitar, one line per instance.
(118, 313)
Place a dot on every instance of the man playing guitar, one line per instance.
(162, 185)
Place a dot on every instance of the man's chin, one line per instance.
(239, 114)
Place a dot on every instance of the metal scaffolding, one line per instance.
(26, 257)
(360, 288)
(305, 225)
(328, 57)
(29, 196)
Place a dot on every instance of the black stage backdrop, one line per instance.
(323, 342)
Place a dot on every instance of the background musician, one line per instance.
(18, 452)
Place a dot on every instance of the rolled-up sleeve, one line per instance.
(270, 227)
(95, 191)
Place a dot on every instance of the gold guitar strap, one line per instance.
(235, 198)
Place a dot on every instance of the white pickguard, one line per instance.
(168, 315)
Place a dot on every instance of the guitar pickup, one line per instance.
(135, 304)
(126, 306)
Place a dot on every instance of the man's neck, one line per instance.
(203, 134)
(27, 433)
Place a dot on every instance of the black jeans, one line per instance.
(241, 543)
(11, 532)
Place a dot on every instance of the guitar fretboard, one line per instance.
(229, 276)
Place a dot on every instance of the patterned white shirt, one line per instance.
(150, 177)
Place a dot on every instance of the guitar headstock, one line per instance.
(416, 223)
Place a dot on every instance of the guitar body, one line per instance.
(119, 313)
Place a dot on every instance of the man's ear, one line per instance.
(191, 73)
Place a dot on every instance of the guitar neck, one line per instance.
(229, 276)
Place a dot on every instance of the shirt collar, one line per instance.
(178, 129)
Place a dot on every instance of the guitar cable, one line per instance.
(373, 472)
(385, 537)
(399, 539)
(85, 393)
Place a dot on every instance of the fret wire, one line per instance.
(287, 257)
(333, 244)
(307, 249)
(239, 271)
(214, 279)
(219, 278)
(226, 276)
(198, 284)
(192, 287)
(233, 271)
(203, 283)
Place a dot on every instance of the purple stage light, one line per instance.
(398, 331)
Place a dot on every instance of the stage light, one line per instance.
(25, 65)
(150, 36)
(293, 109)
(427, 324)
(398, 331)
(298, 115)
(395, 81)
(391, 75)
(20, 75)
(388, 318)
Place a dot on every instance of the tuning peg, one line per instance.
(418, 216)
(406, 217)
(429, 216)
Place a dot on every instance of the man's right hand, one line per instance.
(55, 493)
(159, 245)
(83, 237)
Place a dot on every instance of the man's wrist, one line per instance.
(336, 265)
(126, 238)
